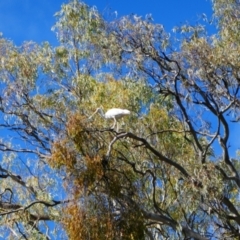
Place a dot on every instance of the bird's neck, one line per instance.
(100, 111)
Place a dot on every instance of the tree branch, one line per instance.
(148, 146)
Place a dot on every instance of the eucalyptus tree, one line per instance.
(202, 80)
(168, 173)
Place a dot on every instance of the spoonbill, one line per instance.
(114, 113)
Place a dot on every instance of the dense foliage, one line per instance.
(168, 173)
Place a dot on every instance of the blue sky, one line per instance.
(25, 20)
(32, 20)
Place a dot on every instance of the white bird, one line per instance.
(114, 113)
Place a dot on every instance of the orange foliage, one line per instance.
(75, 124)
(62, 155)
(81, 224)
(92, 173)
(95, 222)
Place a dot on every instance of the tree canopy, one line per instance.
(169, 172)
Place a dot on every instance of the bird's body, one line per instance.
(114, 113)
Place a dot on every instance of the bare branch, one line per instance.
(148, 146)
